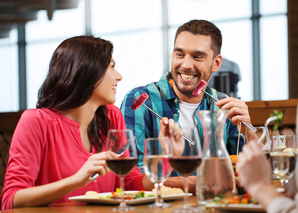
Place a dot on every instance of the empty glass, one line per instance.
(157, 166)
(283, 157)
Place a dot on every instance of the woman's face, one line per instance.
(105, 92)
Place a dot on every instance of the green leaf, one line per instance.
(279, 116)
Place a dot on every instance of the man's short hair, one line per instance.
(203, 27)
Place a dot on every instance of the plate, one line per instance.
(237, 207)
(83, 199)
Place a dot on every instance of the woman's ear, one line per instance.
(217, 63)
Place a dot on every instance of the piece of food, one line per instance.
(200, 86)
(117, 195)
(288, 150)
(168, 191)
(237, 199)
(234, 159)
(92, 194)
(139, 101)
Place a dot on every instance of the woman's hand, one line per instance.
(96, 163)
(253, 167)
(169, 130)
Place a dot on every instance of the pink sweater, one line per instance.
(47, 147)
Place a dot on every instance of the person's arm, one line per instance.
(178, 182)
(48, 193)
(26, 155)
(255, 174)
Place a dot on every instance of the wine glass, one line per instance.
(156, 166)
(125, 161)
(261, 136)
(283, 157)
(186, 164)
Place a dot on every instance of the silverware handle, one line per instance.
(157, 115)
(94, 176)
(209, 95)
(250, 126)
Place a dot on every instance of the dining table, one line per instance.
(76, 207)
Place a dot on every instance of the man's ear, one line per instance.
(217, 63)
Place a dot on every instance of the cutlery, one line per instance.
(247, 124)
(157, 115)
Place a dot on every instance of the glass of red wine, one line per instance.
(186, 164)
(122, 143)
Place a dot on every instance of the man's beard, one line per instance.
(188, 93)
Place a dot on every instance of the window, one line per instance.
(141, 51)
(43, 37)
(9, 81)
(135, 29)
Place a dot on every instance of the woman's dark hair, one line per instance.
(76, 67)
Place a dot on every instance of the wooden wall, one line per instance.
(293, 47)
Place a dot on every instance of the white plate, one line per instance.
(237, 207)
(83, 199)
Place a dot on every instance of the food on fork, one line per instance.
(200, 86)
(169, 191)
(139, 101)
(234, 159)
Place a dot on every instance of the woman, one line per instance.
(255, 174)
(51, 151)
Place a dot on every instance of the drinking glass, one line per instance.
(186, 164)
(156, 166)
(261, 136)
(283, 157)
(125, 162)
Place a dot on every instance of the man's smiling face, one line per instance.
(192, 60)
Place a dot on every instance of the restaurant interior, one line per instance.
(260, 37)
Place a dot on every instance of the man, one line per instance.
(196, 56)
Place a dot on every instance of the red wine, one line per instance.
(185, 165)
(122, 166)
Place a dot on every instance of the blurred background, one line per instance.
(255, 42)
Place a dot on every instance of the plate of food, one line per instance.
(235, 203)
(131, 197)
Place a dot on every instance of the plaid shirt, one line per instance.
(164, 102)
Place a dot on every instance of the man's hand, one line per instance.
(170, 132)
(238, 111)
(178, 182)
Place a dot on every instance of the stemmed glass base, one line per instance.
(187, 209)
(159, 201)
(122, 207)
(159, 205)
